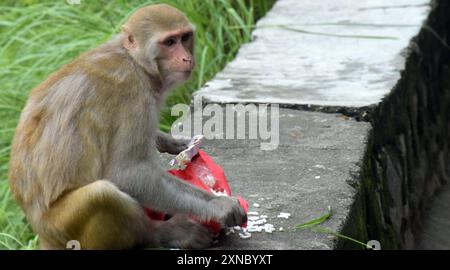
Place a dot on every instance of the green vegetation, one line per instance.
(38, 37)
(313, 225)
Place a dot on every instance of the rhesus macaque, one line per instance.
(83, 160)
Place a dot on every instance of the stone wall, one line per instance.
(408, 155)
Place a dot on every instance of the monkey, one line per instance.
(84, 160)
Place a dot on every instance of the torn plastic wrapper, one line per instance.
(203, 173)
(189, 153)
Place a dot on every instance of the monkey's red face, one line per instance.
(165, 48)
(176, 53)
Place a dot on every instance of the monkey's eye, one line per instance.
(170, 41)
(186, 37)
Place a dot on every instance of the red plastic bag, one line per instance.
(203, 173)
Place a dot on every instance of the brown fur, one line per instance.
(96, 118)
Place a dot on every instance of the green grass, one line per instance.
(313, 225)
(38, 37)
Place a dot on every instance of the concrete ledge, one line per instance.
(317, 161)
(326, 53)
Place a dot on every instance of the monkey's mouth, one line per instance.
(185, 73)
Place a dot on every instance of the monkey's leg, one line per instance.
(166, 143)
(99, 216)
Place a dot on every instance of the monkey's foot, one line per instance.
(182, 232)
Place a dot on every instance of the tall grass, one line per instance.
(38, 37)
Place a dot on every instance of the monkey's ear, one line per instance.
(129, 42)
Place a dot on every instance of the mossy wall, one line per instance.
(408, 154)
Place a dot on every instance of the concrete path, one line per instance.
(326, 53)
(312, 168)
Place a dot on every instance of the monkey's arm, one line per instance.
(159, 190)
(166, 143)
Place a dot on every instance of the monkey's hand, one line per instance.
(229, 212)
(176, 146)
(167, 144)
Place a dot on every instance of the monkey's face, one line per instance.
(161, 39)
(175, 55)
